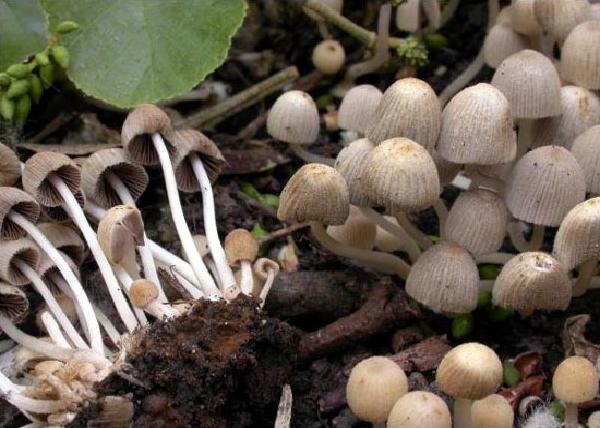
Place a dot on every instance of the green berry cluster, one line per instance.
(23, 84)
(413, 52)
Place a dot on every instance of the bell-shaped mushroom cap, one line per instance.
(23, 249)
(493, 411)
(586, 150)
(580, 110)
(409, 108)
(13, 199)
(545, 184)
(357, 232)
(65, 239)
(445, 279)
(477, 127)
(446, 170)
(408, 17)
(350, 163)
(315, 193)
(240, 246)
(419, 409)
(358, 107)
(10, 166)
(531, 84)
(137, 130)
(336, 5)
(400, 175)
(559, 17)
(39, 167)
(373, 387)
(470, 371)
(13, 302)
(142, 293)
(97, 187)
(500, 43)
(294, 118)
(190, 141)
(575, 380)
(580, 56)
(477, 221)
(532, 281)
(578, 237)
(120, 231)
(524, 20)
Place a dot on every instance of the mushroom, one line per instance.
(267, 270)
(49, 325)
(580, 56)
(575, 380)
(493, 411)
(594, 419)
(419, 409)
(358, 108)
(558, 17)
(385, 241)
(501, 42)
(241, 249)
(142, 138)
(408, 16)
(373, 387)
(357, 231)
(13, 302)
(523, 17)
(10, 166)
(329, 57)
(586, 150)
(470, 371)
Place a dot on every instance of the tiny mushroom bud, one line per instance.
(493, 411)
(419, 409)
(329, 56)
(266, 270)
(241, 249)
(373, 387)
(586, 150)
(142, 293)
(500, 43)
(10, 166)
(580, 56)
(358, 108)
(559, 17)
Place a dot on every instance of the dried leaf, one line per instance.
(528, 363)
(574, 341)
(533, 385)
(424, 356)
(252, 160)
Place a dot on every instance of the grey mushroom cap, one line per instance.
(294, 118)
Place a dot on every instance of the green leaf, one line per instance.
(510, 374)
(23, 30)
(142, 51)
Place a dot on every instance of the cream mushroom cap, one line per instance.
(575, 380)
(294, 118)
(500, 43)
(586, 150)
(493, 411)
(350, 163)
(523, 16)
(137, 130)
(240, 246)
(419, 409)
(329, 56)
(120, 231)
(142, 293)
(559, 17)
(580, 56)
(358, 107)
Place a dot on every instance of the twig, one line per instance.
(240, 101)
(282, 232)
(54, 125)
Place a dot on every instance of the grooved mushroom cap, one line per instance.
(419, 409)
(10, 166)
(329, 56)
(500, 43)
(39, 167)
(531, 84)
(586, 150)
(545, 184)
(190, 141)
(400, 175)
(580, 110)
(358, 107)
(470, 371)
(240, 246)
(445, 279)
(315, 193)
(294, 118)
(578, 237)
(137, 130)
(13, 199)
(13, 302)
(559, 17)
(357, 232)
(477, 127)
(350, 163)
(96, 185)
(408, 17)
(120, 230)
(477, 221)
(65, 239)
(23, 249)
(493, 411)
(575, 380)
(524, 20)
(142, 293)
(373, 387)
(409, 108)
(580, 56)
(532, 281)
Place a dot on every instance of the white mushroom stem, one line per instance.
(310, 157)
(264, 292)
(494, 258)
(12, 393)
(422, 239)
(571, 415)
(462, 413)
(586, 272)
(189, 248)
(40, 286)
(210, 224)
(525, 127)
(194, 292)
(284, 410)
(109, 328)
(145, 253)
(78, 217)
(384, 262)
(53, 329)
(82, 303)
(246, 277)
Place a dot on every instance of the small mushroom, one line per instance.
(580, 56)
(267, 270)
(329, 57)
(586, 150)
(408, 16)
(10, 166)
(358, 108)
(493, 411)
(357, 231)
(523, 17)
(419, 409)
(241, 249)
(558, 17)
(500, 43)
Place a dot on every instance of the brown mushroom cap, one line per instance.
(545, 184)
(142, 293)
(531, 84)
(190, 141)
(240, 246)
(10, 166)
(357, 231)
(315, 192)
(358, 107)
(13, 199)
(136, 134)
(532, 281)
(477, 127)
(35, 177)
(575, 380)
(445, 279)
(419, 409)
(120, 230)
(329, 56)
(523, 16)
(470, 371)
(95, 184)
(586, 150)
(13, 302)
(400, 175)
(294, 118)
(350, 163)
(493, 411)
(65, 239)
(559, 17)
(580, 56)
(23, 249)
(500, 43)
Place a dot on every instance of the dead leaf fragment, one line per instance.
(574, 341)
